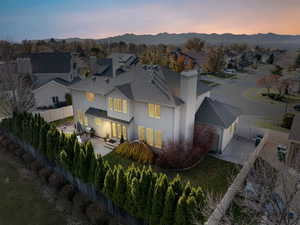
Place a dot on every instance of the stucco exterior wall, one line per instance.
(43, 95)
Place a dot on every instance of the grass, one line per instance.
(211, 174)
(268, 124)
(210, 83)
(256, 95)
(65, 121)
(21, 202)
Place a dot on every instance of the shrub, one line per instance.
(138, 151)
(287, 120)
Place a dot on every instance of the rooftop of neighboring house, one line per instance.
(199, 58)
(295, 130)
(50, 62)
(141, 83)
(216, 113)
(58, 80)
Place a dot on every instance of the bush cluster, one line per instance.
(139, 191)
(138, 151)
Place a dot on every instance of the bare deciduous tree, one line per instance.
(15, 90)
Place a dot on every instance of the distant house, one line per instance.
(149, 103)
(51, 74)
(113, 65)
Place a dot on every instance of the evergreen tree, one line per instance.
(187, 189)
(81, 169)
(190, 209)
(43, 138)
(144, 184)
(120, 191)
(158, 199)
(133, 197)
(101, 170)
(63, 159)
(109, 183)
(176, 184)
(169, 208)
(76, 162)
(181, 213)
(92, 169)
(89, 163)
(148, 211)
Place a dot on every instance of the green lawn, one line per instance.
(211, 174)
(269, 124)
(65, 121)
(256, 95)
(21, 203)
(210, 83)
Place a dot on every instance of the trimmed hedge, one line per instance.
(138, 151)
(139, 191)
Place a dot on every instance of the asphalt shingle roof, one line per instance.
(53, 62)
(216, 113)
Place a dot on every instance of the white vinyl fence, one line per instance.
(51, 115)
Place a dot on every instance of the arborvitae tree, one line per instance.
(144, 184)
(100, 173)
(92, 169)
(187, 189)
(81, 169)
(31, 131)
(76, 162)
(200, 202)
(63, 159)
(43, 138)
(169, 208)
(176, 184)
(190, 209)
(158, 199)
(50, 145)
(181, 213)
(132, 197)
(70, 150)
(89, 164)
(130, 174)
(109, 183)
(119, 195)
(148, 211)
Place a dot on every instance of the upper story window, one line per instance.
(90, 96)
(154, 110)
(118, 104)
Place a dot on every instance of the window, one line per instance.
(119, 129)
(158, 139)
(82, 118)
(110, 103)
(90, 96)
(114, 129)
(141, 133)
(154, 111)
(124, 132)
(150, 136)
(117, 105)
(124, 106)
(98, 121)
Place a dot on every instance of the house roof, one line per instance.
(50, 62)
(104, 67)
(216, 113)
(295, 130)
(103, 114)
(58, 80)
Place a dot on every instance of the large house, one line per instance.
(153, 104)
(51, 73)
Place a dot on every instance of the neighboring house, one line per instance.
(112, 66)
(148, 103)
(51, 73)
(294, 147)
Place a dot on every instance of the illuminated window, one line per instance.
(90, 96)
(141, 133)
(82, 118)
(149, 136)
(110, 103)
(114, 129)
(119, 129)
(154, 111)
(117, 105)
(98, 121)
(124, 106)
(124, 132)
(158, 139)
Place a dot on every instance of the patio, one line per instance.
(99, 146)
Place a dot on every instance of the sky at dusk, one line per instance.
(40, 19)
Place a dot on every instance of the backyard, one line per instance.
(213, 175)
(21, 201)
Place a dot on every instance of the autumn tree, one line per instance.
(195, 44)
(268, 82)
(215, 61)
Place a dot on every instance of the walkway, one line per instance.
(99, 147)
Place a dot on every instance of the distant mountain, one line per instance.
(268, 40)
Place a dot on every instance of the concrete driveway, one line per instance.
(237, 151)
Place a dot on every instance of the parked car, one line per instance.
(297, 108)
